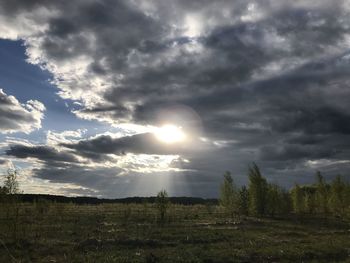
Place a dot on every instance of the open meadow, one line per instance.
(57, 232)
(174, 131)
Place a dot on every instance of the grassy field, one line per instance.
(49, 232)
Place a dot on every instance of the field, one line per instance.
(57, 232)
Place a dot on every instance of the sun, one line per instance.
(170, 134)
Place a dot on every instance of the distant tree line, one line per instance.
(10, 189)
(261, 198)
(258, 198)
(86, 200)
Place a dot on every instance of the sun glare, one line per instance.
(170, 134)
(193, 26)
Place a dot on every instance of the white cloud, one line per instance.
(54, 138)
(19, 117)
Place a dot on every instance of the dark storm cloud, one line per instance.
(295, 152)
(117, 26)
(236, 53)
(95, 178)
(265, 81)
(43, 153)
(233, 52)
(308, 100)
(145, 143)
(98, 148)
(17, 6)
(64, 167)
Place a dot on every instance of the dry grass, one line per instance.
(131, 233)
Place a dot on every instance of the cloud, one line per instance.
(53, 138)
(101, 164)
(144, 143)
(4, 162)
(260, 81)
(138, 60)
(17, 117)
(41, 152)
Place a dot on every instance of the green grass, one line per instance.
(131, 233)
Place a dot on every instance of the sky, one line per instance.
(126, 98)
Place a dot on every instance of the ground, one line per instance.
(49, 232)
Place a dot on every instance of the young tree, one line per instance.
(228, 194)
(10, 189)
(338, 196)
(243, 201)
(347, 200)
(257, 191)
(274, 199)
(310, 199)
(286, 207)
(298, 199)
(322, 193)
(162, 202)
(11, 182)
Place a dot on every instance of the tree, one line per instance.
(347, 200)
(257, 191)
(278, 200)
(322, 193)
(162, 202)
(338, 196)
(11, 188)
(286, 203)
(298, 199)
(275, 199)
(310, 199)
(11, 183)
(243, 201)
(228, 194)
